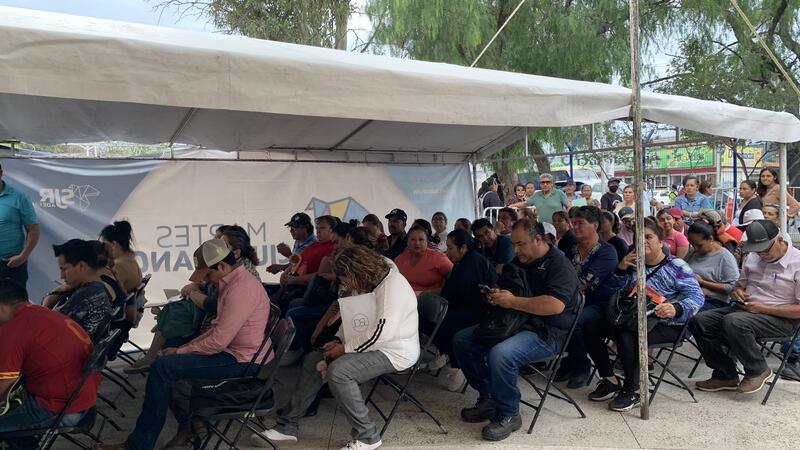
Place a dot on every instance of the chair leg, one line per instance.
(777, 375)
(223, 436)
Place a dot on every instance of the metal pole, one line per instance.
(527, 154)
(735, 178)
(571, 161)
(638, 169)
(784, 188)
(473, 163)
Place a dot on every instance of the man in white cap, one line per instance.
(765, 302)
(224, 351)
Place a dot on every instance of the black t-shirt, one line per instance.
(620, 245)
(608, 199)
(567, 241)
(90, 307)
(552, 275)
(461, 286)
(397, 248)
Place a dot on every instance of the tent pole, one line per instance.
(473, 162)
(638, 168)
(784, 188)
(735, 177)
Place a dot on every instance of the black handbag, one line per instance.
(622, 310)
(498, 323)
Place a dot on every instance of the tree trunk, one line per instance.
(539, 156)
(341, 12)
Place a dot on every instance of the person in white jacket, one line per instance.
(388, 343)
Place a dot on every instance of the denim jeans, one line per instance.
(577, 360)
(345, 376)
(712, 303)
(31, 415)
(305, 318)
(164, 372)
(493, 371)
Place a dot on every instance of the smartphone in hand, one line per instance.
(485, 289)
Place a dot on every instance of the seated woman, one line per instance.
(433, 240)
(375, 225)
(505, 220)
(465, 301)
(423, 267)
(204, 297)
(565, 237)
(714, 267)
(118, 238)
(391, 346)
(439, 222)
(674, 240)
(669, 277)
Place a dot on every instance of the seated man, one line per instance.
(397, 233)
(769, 294)
(48, 350)
(302, 231)
(223, 351)
(493, 371)
(88, 301)
(496, 248)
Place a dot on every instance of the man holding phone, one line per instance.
(19, 232)
(765, 302)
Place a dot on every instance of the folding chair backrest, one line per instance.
(281, 339)
(272, 322)
(139, 300)
(432, 309)
(577, 309)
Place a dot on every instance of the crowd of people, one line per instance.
(513, 290)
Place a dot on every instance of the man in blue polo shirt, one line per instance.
(19, 232)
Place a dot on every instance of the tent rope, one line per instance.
(766, 47)
(497, 33)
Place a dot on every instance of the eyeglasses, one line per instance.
(766, 252)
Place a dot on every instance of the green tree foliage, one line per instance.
(720, 59)
(322, 23)
(583, 40)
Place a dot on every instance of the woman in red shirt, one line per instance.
(424, 268)
(676, 242)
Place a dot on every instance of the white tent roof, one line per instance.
(78, 79)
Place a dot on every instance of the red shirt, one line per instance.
(429, 273)
(312, 256)
(49, 350)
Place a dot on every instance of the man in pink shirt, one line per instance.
(766, 303)
(224, 351)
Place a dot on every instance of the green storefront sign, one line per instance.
(692, 157)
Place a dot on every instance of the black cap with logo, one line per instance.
(398, 213)
(299, 220)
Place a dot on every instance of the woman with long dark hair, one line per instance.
(118, 238)
(769, 187)
(748, 190)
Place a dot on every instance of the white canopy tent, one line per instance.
(77, 79)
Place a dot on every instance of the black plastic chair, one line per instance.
(281, 336)
(554, 361)
(783, 357)
(430, 308)
(47, 436)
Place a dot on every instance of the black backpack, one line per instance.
(498, 323)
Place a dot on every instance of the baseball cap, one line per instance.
(711, 215)
(549, 228)
(570, 181)
(760, 236)
(751, 215)
(299, 220)
(676, 213)
(614, 180)
(625, 212)
(209, 253)
(399, 213)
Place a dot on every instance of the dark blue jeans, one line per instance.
(577, 361)
(31, 415)
(712, 303)
(493, 371)
(305, 318)
(164, 372)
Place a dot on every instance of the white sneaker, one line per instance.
(455, 380)
(273, 435)
(358, 445)
(291, 357)
(439, 362)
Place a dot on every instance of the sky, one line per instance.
(139, 11)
